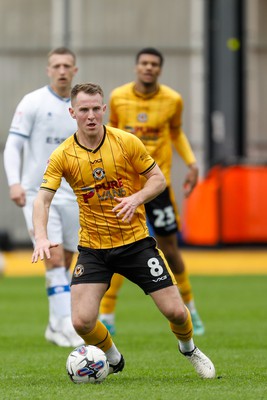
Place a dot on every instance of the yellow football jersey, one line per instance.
(156, 119)
(96, 176)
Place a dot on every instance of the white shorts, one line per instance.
(63, 223)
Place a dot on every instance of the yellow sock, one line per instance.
(108, 302)
(184, 286)
(99, 337)
(183, 332)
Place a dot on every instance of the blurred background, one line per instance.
(215, 56)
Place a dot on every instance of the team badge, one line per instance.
(142, 117)
(98, 174)
(78, 271)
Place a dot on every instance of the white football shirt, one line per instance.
(42, 118)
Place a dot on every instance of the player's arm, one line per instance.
(113, 117)
(40, 219)
(184, 149)
(191, 179)
(12, 165)
(20, 130)
(155, 184)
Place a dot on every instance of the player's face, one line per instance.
(88, 110)
(61, 70)
(148, 69)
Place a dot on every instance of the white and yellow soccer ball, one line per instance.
(87, 364)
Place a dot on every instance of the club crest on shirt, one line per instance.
(78, 271)
(98, 174)
(142, 117)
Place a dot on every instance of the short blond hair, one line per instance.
(62, 50)
(88, 88)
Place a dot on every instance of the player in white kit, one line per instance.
(40, 123)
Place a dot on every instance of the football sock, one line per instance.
(191, 306)
(184, 286)
(113, 355)
(108, 318)
(99, 337)
(183, 332)
(186, 347)
(109, 300)
(58, 292)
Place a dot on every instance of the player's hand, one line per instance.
(190, 180)
(17, 194)
(126, 207)
(42, 249)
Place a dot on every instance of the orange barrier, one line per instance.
(228, 206)
(244, 208)
(200, 223)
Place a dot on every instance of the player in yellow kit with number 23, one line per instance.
(153, 112)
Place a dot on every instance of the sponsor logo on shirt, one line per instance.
(54, 140)
(105, 190)
(144, 133)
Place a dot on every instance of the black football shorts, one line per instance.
(141, 262)
(161, 214)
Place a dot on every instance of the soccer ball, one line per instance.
(87, 364)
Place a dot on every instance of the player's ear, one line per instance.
(104, 107)
(72, 113)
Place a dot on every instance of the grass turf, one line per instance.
(233, 309)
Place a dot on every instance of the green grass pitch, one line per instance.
(232, 307)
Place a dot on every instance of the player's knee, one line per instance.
(177, 314)
(56, 261)
(79, 327)
(82, 326)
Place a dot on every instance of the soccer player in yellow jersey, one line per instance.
(103, 165)
(153, 112)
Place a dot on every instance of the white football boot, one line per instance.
(202, 364)
(63, 335)
(56, 337)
